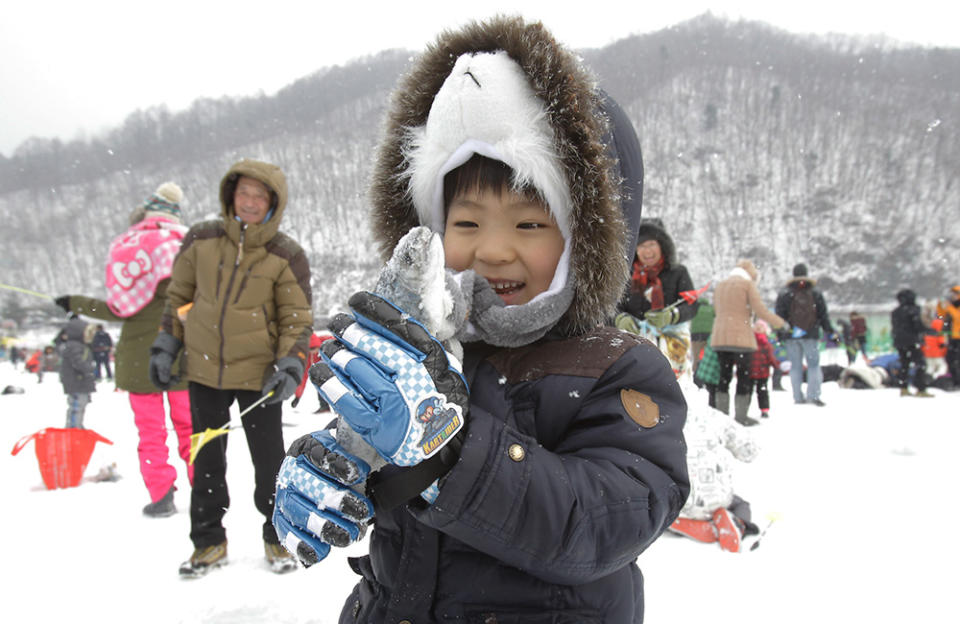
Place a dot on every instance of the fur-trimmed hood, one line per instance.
(272, 176)
(570, 99)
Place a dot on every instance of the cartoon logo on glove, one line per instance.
(441, 421)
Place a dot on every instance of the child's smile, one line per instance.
(511, 241)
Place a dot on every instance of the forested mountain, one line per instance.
(841, 153)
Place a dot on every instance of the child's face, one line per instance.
(511, 241)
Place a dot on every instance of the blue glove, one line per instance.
(317, 502)
(391, 381)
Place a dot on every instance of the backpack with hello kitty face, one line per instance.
(139, 259)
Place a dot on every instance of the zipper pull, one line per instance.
(243, 233)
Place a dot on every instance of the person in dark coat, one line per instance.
(652, 306)
(806, 321)
(77, 370)
(572, 461)
(907, 330)
(102, 345)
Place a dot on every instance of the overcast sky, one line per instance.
(73, 68)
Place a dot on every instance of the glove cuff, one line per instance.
(408, 483)
(166, 343)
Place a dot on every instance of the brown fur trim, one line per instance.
(572, 101)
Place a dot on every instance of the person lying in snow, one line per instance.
(713, 513)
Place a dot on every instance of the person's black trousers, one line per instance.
(912, 355)
(210, 498)
(742, 361)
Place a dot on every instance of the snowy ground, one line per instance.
(858, 486)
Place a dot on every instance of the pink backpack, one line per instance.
(139, 259)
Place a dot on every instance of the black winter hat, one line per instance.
(651, 229)
(800, 270)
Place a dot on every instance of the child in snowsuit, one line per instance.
(713, 513)
(763, 359)
(571, 460)
(77, 370)
(907, 331)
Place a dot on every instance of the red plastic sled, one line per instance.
(63, 454)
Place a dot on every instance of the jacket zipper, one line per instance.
(226, 301)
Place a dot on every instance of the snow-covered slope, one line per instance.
(863, 489)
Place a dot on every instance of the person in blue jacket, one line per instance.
(570, 460)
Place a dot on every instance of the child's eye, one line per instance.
(465, 224)
(530, 226)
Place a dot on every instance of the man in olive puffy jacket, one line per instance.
(239, 306)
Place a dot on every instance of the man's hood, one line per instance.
(571, 101)
(271, 175)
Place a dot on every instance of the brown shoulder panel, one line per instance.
(202, 231)
(285, 247)
(588, 355)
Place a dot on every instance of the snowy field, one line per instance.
(858, 487)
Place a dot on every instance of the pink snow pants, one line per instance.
(151, 421)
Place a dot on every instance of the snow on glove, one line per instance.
(285, 381)
(163, 352)
(391, 381)
(662, 318)
(316, 507)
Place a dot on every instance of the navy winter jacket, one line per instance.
(572, 464)
(906, 326)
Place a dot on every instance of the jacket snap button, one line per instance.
(404, 622)
(516, 452)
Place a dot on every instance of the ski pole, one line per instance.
(772, 518)
(25, 291)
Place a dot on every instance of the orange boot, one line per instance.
(700, 530)
(728, 532)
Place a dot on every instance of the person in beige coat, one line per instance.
(737, 301)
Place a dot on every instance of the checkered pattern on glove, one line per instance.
(391, 381)
(316, 507)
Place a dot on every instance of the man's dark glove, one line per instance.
(285, 380)
(163, 352)
(64, 302)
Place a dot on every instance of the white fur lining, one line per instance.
(486, 106)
